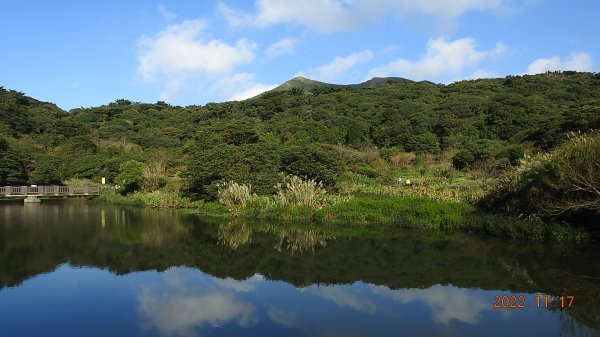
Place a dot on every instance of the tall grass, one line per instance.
(299, 192)
(234, 195)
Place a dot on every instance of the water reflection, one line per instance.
(234, 234)
(298, 240)
(303, 281)
(177, 308)
(447, 303)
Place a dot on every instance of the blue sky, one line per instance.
(83, 53)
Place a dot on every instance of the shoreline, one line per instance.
(369, 211)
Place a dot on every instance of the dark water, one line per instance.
(75, 269)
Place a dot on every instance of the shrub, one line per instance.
(402, 159)
(563, 184)
(155, 175)
(462, 159)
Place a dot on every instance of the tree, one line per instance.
(462, 159)
(12, 165)
(130, 176)
(312, 162)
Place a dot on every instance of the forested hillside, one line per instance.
(319, 133)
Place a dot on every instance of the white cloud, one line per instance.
(343, 15)
(442, 58)
(447, 9)
(233, 17)
(179, 53)
(447, 303)
(477, 74)
(240, 86)
(283, 46)
(340, 65)
(322, 15)
(575, 61)
(165, 13)
(482, 73)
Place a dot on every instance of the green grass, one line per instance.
(152, 199)
(369, 210)
(108, 196)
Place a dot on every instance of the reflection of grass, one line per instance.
(234, 234)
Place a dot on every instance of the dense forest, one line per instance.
(316, 131)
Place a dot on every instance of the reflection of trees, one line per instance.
(37, 240)
(234, 234)
(572, 326)
(299, 240)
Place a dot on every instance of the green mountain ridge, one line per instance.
(309, 85)
(320, 131)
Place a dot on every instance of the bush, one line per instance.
(563, 184)
(462, 159)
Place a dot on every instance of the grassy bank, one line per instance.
(431, 203)
(402, 207)
(415, 213)
(156, 199)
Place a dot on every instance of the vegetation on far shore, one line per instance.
(473, 149)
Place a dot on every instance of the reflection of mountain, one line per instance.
(39, 238)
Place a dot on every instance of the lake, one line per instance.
(77, 269)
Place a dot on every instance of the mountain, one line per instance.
(486, 119)
(377, 82)
(308, 85)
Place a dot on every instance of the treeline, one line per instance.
(318, 134)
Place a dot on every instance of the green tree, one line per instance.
(13, 167)
(462, 159)
(312, 162)
(130, 176)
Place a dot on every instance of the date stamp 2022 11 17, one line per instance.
(539, 301)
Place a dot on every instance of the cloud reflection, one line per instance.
(175, 308)
(282, 317)
(342, 298)
(447, 303)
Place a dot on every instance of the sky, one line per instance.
(191, 52)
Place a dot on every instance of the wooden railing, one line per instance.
(20, 191)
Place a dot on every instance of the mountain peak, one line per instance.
(308, 85)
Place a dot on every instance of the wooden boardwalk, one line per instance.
(36, 193)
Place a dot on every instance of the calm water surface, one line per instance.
(74, 269)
